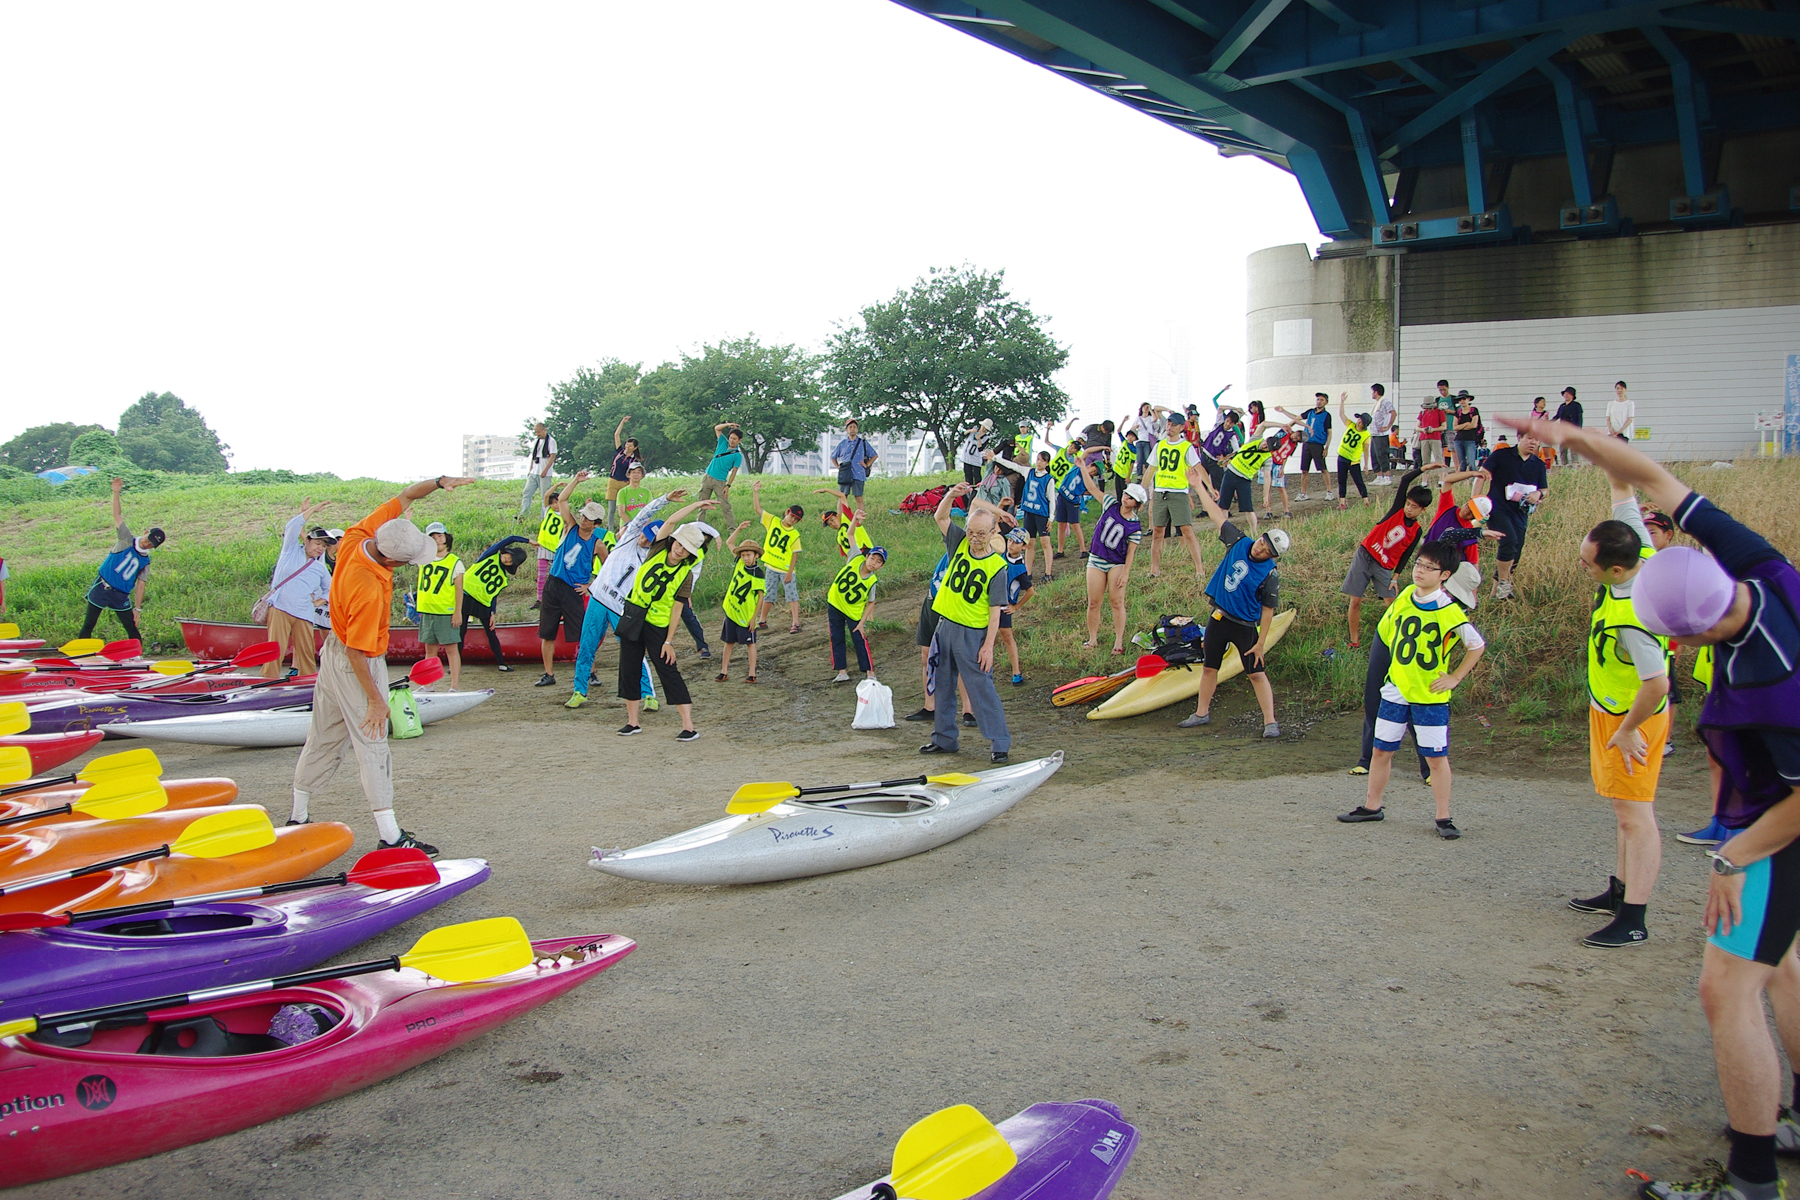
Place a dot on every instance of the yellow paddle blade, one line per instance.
(219, 834)
(760, 797)
(8, 630)
(15, 764)
(472, 950)
(15, 1028)
(13, 718)
(950, 1155)
(81, 646)
(142, 761)
(953, 779)
(172, 666)
(121, 796)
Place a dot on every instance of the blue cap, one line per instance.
(881, 550)
(652, 529)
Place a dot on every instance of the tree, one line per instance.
(940, 356)
(98, 449)
(772, 393)
(585, 410)
(161, 433)
(43, 446)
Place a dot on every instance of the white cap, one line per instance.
(1278, 541)
(401, 539)
(435, 527)
(987, 423)
(1136, 492)
(336, 535)
(691, 536)
(1464, 583)
(593, 510)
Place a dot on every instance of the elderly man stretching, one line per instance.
(968, 606)
(350, 706)
(297, 592)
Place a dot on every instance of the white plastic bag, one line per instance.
(874, 706)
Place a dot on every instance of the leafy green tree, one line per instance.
(585, 410)
(940, 356)
(161, 433)
(772, 393)
(98, 449)
(43, 446)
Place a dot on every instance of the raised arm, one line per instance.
(1211, 505)
(619, 433)
(560, 500)
(756, 500)
(1087, 481)
(719, 429)
(943, 509)
(425, 487)
(1620, 462)
(1342, 419)
(118, 511)
(731, 543)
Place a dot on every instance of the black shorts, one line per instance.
(1513, 529)
(562, 605)
(1222, 633)
(736, 635)
(928, 623)
(1236, 486)
(1312, 455)
(1036, 525)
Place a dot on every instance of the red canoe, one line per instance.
(8, 645)
(227, 639)
(52, 750)
(146, 1088)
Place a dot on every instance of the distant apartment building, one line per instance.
(914, 454)
(493, 456)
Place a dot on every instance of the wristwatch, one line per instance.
(1723, 865)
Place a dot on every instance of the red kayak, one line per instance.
(12, 645)
(52, 750)
(225, 640)
(211, 1068)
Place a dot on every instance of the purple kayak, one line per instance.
(184, 948)
(1074, 1151)
(99, 711)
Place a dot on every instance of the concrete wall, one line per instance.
(1323, 325)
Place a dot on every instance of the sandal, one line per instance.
(1118, 649)
(720, 677)
(749, 679)
(795, 629)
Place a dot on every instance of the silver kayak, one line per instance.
(280, 726)
(835, 832)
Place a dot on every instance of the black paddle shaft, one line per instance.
(132, 910)
(912, 781)
(42, 812)
(109, 864)
(132, 1007)
(35, 784)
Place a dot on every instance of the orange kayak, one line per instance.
(47, 847)
(183, 793)
(298, 851)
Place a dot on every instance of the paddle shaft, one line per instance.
(58, 811)
(37, 785)
(109, 864)
(913, 780)
(272, 889)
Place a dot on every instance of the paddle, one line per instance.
(261, 654)
(112, 799)
(15, 764)
(426, 672)
(760, 797)
(118, 652)
(1149, 665)
(8, 631)
(950, 1155)
(463, 953)
(142, 761)
(215, 835)
(81, 646)
(383, 870)
(1084, 690)
(13, 718)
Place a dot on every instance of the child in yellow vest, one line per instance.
(780, 555)
(743, 596)
(440, 603)
(850, 603)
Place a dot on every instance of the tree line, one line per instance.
(158, 433)
(939, 356)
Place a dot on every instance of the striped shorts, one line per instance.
(1430, 724)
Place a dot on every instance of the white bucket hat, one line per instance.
(691, 536)
(401, 539)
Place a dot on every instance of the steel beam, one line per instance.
(1363, 145)
(1687, 107)
(1471, 152)
(1526, 58)
(1571, 109)
(1747, 21)
(1348, 22)
(1249, 27)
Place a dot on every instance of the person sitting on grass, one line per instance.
(440, 602)
(1244, 590)
(780, 556)
(1110, 555)
(1018, 591)
(1385, 548)
(743, 594)
(1422, 626)
(850, 606)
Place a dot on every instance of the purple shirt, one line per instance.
(1114, 534)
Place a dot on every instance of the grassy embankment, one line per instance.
(223, 535)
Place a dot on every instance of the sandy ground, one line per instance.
(1282, 1004)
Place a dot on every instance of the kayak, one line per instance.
(279, 727)
(1074, 1151)
(9, 645)
(298, 851)
(182, 793)
(835, 832)
(135, 1091)
(518, 641)
(51, 750)
(42, 848)
(1177, 683)
(31, 686)
(210, 945)
(86, 711)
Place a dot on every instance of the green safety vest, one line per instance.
(436, 594)
(742, 594)
(1350, 446)
(487, 578)
(1612, 678)
(963, 595)
(1421, 640)
(656, 583)
(849, 592)
(1171, 465)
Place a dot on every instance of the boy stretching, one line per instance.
(1423, 625)
(743, 595)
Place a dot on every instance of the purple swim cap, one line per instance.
(1681, 592)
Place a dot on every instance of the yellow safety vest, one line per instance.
(1251, 459)
(1125, 462)
(1703, 667)
(849, 592)
(1171, 465)
(963, 595)
(1350, 446)
(743, 593)
(1022, 448)
(654, 587)
(487, 578)
(1060, 466)
(551, 531)
(436, 591)
(845, 546)
(1612, 678)
(1422, 640)
(779, 542)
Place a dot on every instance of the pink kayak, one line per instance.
(206, 1069)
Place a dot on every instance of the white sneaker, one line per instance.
(1503, 590)
(842, 677)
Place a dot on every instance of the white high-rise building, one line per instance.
(493, 456)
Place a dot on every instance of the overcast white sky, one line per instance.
(349, 234)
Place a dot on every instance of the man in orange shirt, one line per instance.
(350, 697)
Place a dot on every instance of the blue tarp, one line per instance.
(64, 474)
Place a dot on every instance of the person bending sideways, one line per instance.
(1385, 548)
(565, 594)
(1244, 590)
(350, 706)
(1743, 600)
(1422, 627)
(969, 602)
(119, 586)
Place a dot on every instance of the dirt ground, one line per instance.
(1282, 1004)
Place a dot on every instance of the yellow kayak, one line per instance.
(1177, 683)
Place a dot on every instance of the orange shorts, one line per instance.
(1608, 765)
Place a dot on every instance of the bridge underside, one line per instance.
(1420, 124)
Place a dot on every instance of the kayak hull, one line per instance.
(279, 727)
(210, 946)
(51, 750)
(100, 1104)
(98, 711)
(834, 833)
(11, 645)
(182, 793)
(298, 851)
(1076, 1151)
(42, 848)
(226, 639)
(1177, 683)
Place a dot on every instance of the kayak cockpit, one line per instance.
(231, 1028)
(882, 804)
(176, 923)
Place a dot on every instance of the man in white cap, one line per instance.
(350, 699)
(571, 570)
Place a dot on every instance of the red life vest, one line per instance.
(1389, 540)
